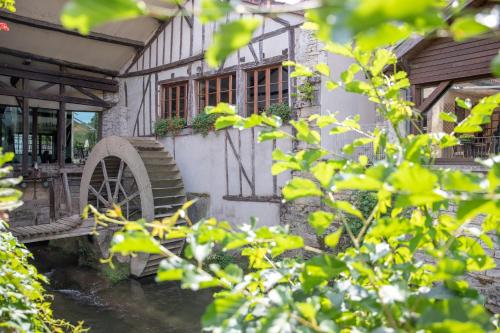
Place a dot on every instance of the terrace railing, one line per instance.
(471, 148)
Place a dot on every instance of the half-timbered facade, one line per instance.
(59, 96)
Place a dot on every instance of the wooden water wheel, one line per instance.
(142, 178)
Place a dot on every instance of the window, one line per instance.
(212, 91)
(266, 86)
(175, 100)
(81, 134)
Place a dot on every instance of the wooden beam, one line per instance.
(34, 135)
(182, 62)
(26, 130)
(36, 74)
(145, 47)
(67, 64)
(61, 128)
(88, 93)
(39, 24)
(434, 96)
(50, 97)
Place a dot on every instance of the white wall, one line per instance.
(202, 162)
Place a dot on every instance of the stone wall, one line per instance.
(115, 120)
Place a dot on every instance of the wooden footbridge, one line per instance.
(138, 175)
(67, 227)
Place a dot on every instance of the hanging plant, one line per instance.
(169, 126)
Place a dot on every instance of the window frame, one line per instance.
(255, 72)
(166, 89)
(217, 78)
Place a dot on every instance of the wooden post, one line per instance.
(26, 130)
(67, 191)
(61, 128)
(34, 135)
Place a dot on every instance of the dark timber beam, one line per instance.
(26, 130)
(32, 73)
(171, 65)
(67, 64)
(7, 91)
(61, 128)
(31, 22)
(434, 96)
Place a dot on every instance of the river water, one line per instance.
(137, 306)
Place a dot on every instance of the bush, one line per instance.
(204, 123)
(169, 126)
(281, 110)
(366, 202)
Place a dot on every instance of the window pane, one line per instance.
(233, 97)
(224, 97)
(261, 106)
(201, 88)
(212, 99)
(224, 84)
(274, 75)
(250, 78)
(201, 102)
(85, 133)
(234, 82)
(181, 107)
(250, 94)
(261, 92)
(173, 105)
(284, 75)
(261, 77)
(274, 91)
(212, 86)
(249, 109)
(182, 91)
(173, 91)
(12, 130)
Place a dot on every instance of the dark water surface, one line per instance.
(133, 306)
(137, 306)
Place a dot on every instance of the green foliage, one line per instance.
(381, 283)
(230, 37)
(306, 91)
(377, 284)
(204, 123)
(24, 304)
(219, 258)
(366, 203)
(9, 5)
(280, 110)
(85, 15)
(169, 126)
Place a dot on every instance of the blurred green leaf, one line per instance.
(84, 15)
(213, 10)
(229, 38)
(331, 240)
(466, 27)
(320, 221)
(299, 188)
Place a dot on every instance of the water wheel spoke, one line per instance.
(118, 180)
(129, 198)
(98, 195)
(106, 180)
